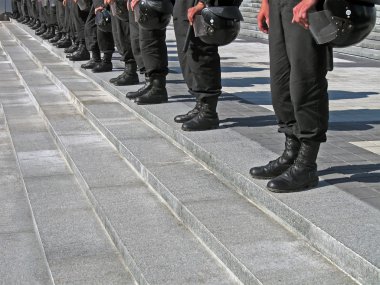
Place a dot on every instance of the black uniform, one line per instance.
(154, 59)
(298, 68)
(298, 75)
(201, 70)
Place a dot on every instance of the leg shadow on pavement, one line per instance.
(363, 173)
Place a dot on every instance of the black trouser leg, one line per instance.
(79, 18)
(201, 63)
(135, 41)
(90, 31)
(154, 51)
(105, 41)
(61, 17)
(298, 76)
(121, 36)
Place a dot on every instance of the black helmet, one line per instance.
(218, 25)
(103, 21)
(154, 14)
(343, 23)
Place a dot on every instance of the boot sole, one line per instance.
(151, 103)
(128, 84)
(310, 185)
(199, 130)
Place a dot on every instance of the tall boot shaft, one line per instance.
(157, 92)
(80, 54)
(189, 115)
(107, 57)
(105, 65)
(276, 167)
(206, 119)
(129, 76)
(302, 174)
(142, 90)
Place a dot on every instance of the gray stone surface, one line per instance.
(77, 248)
(22, 260)
(164, 251)
(263, 145)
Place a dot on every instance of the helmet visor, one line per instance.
(199, 26)
(323, 27)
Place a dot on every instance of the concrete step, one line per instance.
(78, 249)
(149, 163)
(22, 259)
(156, 247)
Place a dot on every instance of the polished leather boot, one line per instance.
(105, 65)
(80, 54)
(47, 32)
(41, 30)
(15, 15)
(189, 115)
(65, 42)
(129, 76)
(36, 26)
(206, 119)
(276, 167)
(31, 22)
(73, 48)
(56, 38)
(26, 20)
(50, 34)
(20, 19)
(95, 59)
(134, 94)
(90, 64)
(102, 66)
(302, 175)
(156, 94)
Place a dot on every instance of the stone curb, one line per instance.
(344, 257)
(37, 234)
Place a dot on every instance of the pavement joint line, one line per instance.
(114, 237)
(35, 227)
(138, 275)
(182, 213)
(247, 182)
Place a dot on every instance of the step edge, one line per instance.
(244, 189)
(35, 226)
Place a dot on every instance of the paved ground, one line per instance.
(350, 159)
(346, 203)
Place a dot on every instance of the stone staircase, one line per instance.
(369, 48)
(115, 193)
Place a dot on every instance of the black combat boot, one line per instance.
(157, 93)
(189, 115)
(302, 174)
(26, 20)
(50, 34)
(105, 65)
(80, 54)
(15, 15)
(65, 42)
(140, 91)
(129, 76)
(72, 48)
(56, 38)
(37, 25)
(206, 119)
(41, 30)
(31, 22)
(46, 32)
(95, 59)
(276, 167)
(20, 19)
